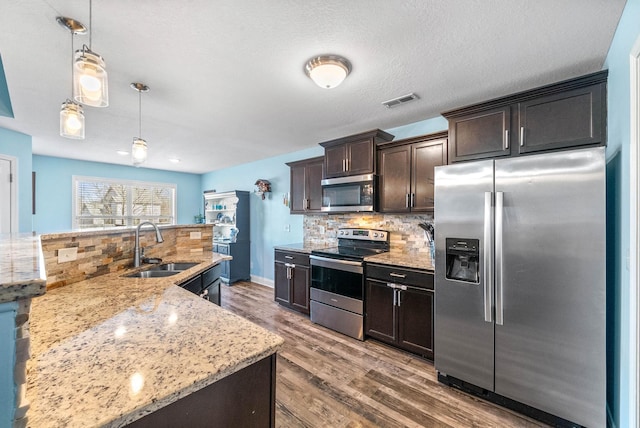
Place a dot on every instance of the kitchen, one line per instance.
(271, 215)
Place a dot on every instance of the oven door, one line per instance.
(336, 295)
(348, 194)
(343, 277)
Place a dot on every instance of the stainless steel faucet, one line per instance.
(136, 248)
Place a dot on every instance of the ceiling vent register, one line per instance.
(400, 100)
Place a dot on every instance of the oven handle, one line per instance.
(344, 265)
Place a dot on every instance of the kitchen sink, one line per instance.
(152, 274)
(172, 267)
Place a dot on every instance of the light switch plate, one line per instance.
(195, 235)
(67, 254)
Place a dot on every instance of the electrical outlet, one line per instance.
(67, 254)
(195, 235)
(287, 228)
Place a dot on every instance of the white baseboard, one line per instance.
(262, 281)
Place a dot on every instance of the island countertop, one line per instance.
(22, 272)
(109, 350)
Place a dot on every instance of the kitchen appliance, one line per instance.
(337, 280)
(349, 194)
(520, 283)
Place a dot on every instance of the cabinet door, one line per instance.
(380, 319)
(281, 283)
(360, 156)
(572, 118)
(425, 157)
(300, 288)
(395, 179)
(213, 292)
(480, 135)
(298, 193)
(193, 285)
(415, 321)
(313, 188)
(334, 161)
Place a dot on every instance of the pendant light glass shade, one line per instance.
(138, 151)
(72, 120)
(327, 71)
(139, 147)
(90, 83)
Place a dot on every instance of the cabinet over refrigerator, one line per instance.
(520, 283)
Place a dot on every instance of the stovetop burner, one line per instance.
(356, 244)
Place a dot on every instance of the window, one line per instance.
(101, 202)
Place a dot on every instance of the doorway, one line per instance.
(8, 193)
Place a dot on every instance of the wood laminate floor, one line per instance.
(326, 379)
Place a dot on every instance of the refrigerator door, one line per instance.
(550, 283)
(463, 316)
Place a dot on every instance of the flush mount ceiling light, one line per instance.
(90, 85)
(71, 114)
(139, 147)
(327, 71)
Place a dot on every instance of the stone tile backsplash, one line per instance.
(405, 234)
(109, 251)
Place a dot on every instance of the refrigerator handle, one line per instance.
(499, 257)
(487, 257)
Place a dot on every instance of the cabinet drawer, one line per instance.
(222, 249)
(292, 257)
(399, 275)
(210, 275)
(194, 285)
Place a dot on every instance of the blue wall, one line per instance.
(619, 358)
(19, 146)
(269, 217)
(54, 182)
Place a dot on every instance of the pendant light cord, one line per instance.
(72, 34)
(140, 114)
(90, 22)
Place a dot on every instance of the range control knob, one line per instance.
(375, 234)
(342, 232)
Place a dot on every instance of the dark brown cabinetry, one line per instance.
(306, 191)
(352, 155)
(292, 280)
(399, 307)
(406, 169)
(559, 116)
(206, 284)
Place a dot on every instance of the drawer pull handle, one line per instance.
(397, 275)
(288, 257)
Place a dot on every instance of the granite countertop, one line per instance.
(22, 272)
(304, 248)
(109, 350)
(416, 260)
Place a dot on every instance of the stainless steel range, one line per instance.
(337, 280)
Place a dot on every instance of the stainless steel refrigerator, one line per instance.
(520, 281)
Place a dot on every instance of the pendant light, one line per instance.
(90, 86)
(139, 147)
(71, 114)
(327, 71)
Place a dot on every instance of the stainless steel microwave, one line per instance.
(349, 194)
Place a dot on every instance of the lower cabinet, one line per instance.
(243, 399)
(399, 307)
(292, 280)
(237, 269)
(206, 284)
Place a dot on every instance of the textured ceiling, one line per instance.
(227, 81)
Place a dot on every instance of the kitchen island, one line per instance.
(114, 350)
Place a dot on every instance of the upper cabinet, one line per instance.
(406, 169)
(559, 116)
(306, 190)
(352, 155)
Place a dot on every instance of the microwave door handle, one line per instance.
(487, 257)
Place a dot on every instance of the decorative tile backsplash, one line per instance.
(405, 234)
(106, 251)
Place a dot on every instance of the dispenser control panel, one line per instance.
(463, 259)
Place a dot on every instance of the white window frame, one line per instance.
(129, 219)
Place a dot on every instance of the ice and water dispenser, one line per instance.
(463, 257)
